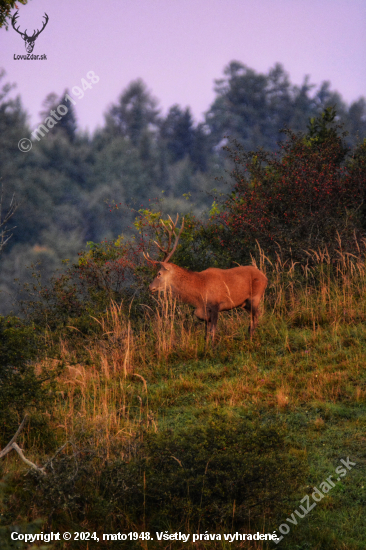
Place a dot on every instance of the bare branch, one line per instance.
(56, 453)
(13, 439)
(12, 445)
(20, 453)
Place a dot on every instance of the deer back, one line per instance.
(232, 287)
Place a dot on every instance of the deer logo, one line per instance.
(209, 291)
(28, 40)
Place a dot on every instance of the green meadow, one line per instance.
(147, 429)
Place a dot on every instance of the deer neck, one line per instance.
(185, 285)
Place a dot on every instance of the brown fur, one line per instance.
(214, 290)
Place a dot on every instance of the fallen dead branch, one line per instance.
(12, 445)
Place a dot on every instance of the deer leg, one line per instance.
(214, 318)
(212, 313)
(253, 320)
(204, 314)
(252, 307)
(208, 333)
(207, 330)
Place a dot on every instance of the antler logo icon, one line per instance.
(28, 40)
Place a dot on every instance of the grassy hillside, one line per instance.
(142, 410)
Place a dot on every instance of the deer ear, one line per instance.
(165, 266)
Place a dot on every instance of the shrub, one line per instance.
(217, 475)
(21, 389)
(109, 271)
(304, 197)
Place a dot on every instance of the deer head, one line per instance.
(165, 276)
(28, 40)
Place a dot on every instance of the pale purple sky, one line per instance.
(178, 47)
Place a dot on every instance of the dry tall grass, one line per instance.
(304, 351)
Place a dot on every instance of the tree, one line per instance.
(67, 123)
(356, 167)
(239, 106)
(356, 122)
(5, 234)
(12, 129)
(13, 126)
(135, 113)
(253, 107)
(177, 133)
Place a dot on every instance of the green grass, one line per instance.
(304, 371)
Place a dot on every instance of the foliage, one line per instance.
(220, 474)
(215, 475)
(32, 527)
(135, 112)
(21, 388)
(5, 7)
(181, 139)
(306, 197)
(67, 122)
(357, 172)
(148, 412)
(67, 184)
(303, 365)
(253, 107)
(109, 271)
(106, 271)
(4, 220)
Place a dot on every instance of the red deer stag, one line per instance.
(212, 290)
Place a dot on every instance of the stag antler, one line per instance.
(170, 230)
(14, 21)
(43, 26)
(148, 259)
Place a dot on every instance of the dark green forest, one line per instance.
(74, 188)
